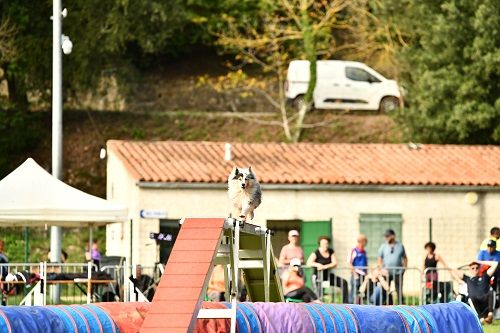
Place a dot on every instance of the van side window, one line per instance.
(358, 74)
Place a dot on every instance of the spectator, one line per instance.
(375, 287)
(478, 288)
(293, 283)
(3, 260)
(64, 256)
(144, 283)
(392, 256)
(358, 262)
(94, 255)
(291, 250)
(431, 274)
(491, 254)
(323, 259)
(3, 271)
(217, 285)
(494, 235)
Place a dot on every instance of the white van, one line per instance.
(343, 85)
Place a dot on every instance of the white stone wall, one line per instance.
(458, 227)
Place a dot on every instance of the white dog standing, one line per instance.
(244, 191)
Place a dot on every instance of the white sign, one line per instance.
(153, 214)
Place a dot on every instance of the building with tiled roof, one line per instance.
(449, 193)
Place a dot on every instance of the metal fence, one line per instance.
(57, 282)
(392, 285)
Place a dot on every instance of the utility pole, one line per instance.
(59, 43)
(57, 156)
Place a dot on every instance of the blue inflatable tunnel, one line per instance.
(349, 318)
(55, 319)
(252, 318)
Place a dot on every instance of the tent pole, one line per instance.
(91, 240)
(26, 244)
(131, 242)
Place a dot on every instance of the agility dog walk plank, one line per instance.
(179, 295)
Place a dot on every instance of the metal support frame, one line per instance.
(234, 258)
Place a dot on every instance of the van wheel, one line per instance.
(299, 102)
(388, 104)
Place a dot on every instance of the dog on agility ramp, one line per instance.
(244, 191)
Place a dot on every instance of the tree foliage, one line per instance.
(109, 37)
(452, 72)
(445, 52)
(376, 32)
(280, 32)
(7, 34)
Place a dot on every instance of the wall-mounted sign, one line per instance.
(153, 214)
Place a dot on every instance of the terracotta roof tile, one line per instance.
(311, 163)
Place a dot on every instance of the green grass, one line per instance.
(494, 328)
(74, 242)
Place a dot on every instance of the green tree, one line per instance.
(377, 31)
(109, 38)
(279, 32)
(452, 72)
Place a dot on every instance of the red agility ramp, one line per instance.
(179, 294)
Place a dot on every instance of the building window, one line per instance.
(374, 226)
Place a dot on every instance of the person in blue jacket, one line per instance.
(492, 254)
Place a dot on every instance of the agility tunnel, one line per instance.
(56, 319)
(251, 318)
(329, 318)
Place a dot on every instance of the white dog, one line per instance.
(244, 191)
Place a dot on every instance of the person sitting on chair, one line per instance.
(478, 288)
(216, 290)
(375, 287)
(294, 286)
(144, 283)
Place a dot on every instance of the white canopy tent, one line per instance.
(30, 197)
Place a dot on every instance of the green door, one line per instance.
(309, 233)
(373, 226)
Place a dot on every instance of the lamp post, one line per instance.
(59, 43)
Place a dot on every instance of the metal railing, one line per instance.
(30, 283)
(438, 286)
(386, 286)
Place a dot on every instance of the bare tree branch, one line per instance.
(334, 9)
(7, 33)
(291, 12)
(260, 122)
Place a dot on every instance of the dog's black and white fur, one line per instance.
(244, 192)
